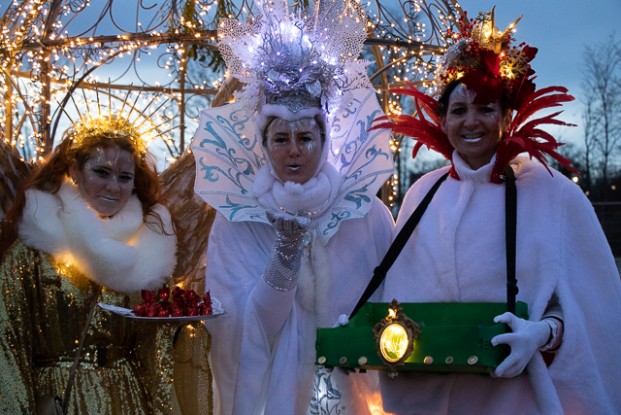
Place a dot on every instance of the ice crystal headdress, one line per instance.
(485, 60)
(296, 60)
(294, 65)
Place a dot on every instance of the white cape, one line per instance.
(457, 253)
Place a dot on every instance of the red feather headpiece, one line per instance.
(485, 61)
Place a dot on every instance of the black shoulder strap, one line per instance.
(397, 245)
(395, 248)
(510, 234)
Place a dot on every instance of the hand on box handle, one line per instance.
(526, 338)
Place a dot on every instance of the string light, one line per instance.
(160, 51)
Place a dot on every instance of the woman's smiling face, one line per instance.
(294, 148)
(474, 130)
(106, 181)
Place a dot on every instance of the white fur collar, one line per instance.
(465, 172)
(120, 252)
(315, 196)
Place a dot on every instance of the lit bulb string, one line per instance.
(112, 56)
(392, 106)
(160, 38)
(72, 89)
(99, 86)
(9, 111)
(141, 39)
(53, 21)
(111, 85)
(145, 116)
(67, 44)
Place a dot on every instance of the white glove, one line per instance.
(342, 320)
(282, 270)
(525, 340)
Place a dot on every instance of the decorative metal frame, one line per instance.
(53, 54)
(411, 330)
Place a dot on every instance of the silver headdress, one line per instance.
(294, 66)
(296, 60)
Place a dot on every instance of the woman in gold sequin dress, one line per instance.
(89, 216)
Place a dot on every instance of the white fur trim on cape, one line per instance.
(120, 252)
(315, 196)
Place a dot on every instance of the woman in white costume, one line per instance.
(293, 171)
(564, 267)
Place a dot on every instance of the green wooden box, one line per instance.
(453, 337)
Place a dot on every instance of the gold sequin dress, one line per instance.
(126, 367)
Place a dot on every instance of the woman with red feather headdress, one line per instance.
(482, 123)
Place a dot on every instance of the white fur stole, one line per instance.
(119, 252)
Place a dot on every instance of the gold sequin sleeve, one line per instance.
(16, 391)
(155, 354)
(192, 372)
(126, 367)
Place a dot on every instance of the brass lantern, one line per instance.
(394, 336)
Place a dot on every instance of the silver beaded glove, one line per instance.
(281, 272)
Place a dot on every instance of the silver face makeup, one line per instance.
(294, 148)
(106, 181)
(474, 130)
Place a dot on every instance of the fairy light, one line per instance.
(63, 57)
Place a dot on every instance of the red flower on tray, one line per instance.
(184, 303)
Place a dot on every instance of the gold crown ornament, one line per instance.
(91, 128)
(487, 60)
